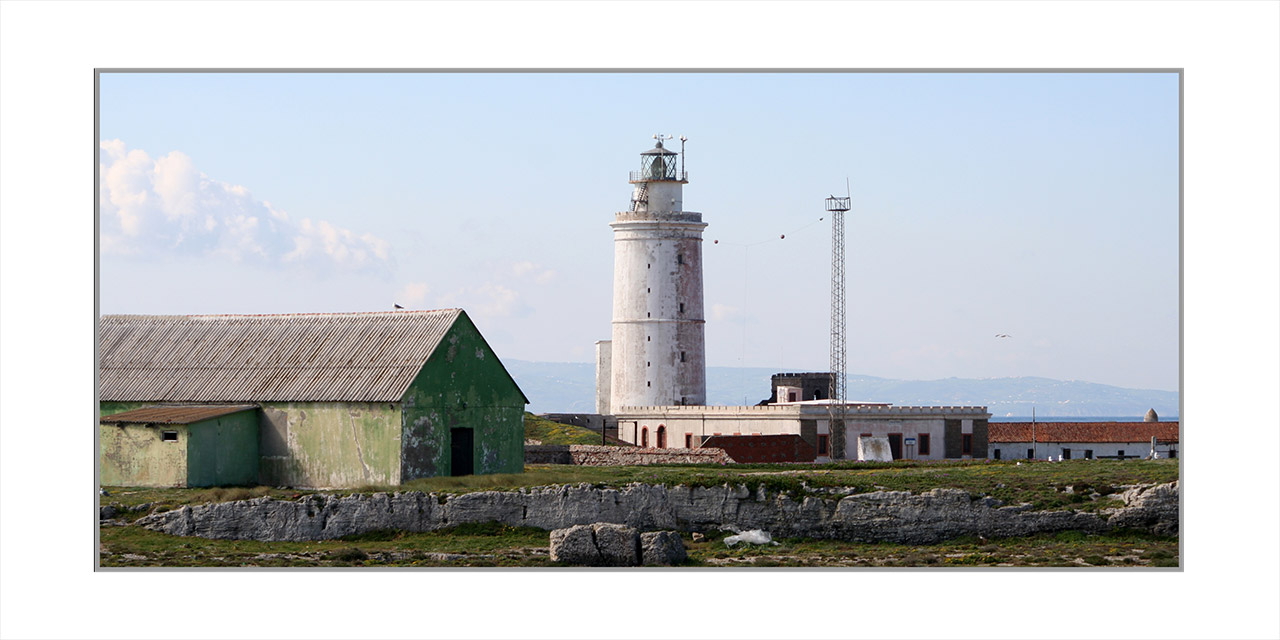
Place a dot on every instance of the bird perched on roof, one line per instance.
(399, 307)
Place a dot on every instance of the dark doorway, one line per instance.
(462, 443)
(662, 437)
(895, 445)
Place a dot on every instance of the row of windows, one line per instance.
(1087, 454)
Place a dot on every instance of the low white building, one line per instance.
(914, 433)
(1081, 440)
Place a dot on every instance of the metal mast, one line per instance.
(836, 402)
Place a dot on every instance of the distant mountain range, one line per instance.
(569, 387)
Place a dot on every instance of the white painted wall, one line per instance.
(779, 419)
(658, 351)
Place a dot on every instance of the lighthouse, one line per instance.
(657, 353)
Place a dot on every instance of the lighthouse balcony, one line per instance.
(655, 176)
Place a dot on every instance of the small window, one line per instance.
(647, 363)
(1120, 454)
(822, 445)
(681, 307)
(644, 437)
(688, 440)
(648, 290)
(791, 396)
(648, 315)
(169, 436)
(995, 453)
(679, 258)
(648, 338)
(648, 384)
(682, 356)
(1173, 453)
(966, 444)
(923, 446)
(1031, 453)
(1066, 454)
(1088, 454)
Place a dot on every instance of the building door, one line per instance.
(895, 445)
(462, 445)
(662, 437)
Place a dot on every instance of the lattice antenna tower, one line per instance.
(837, 387)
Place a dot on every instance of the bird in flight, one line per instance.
(1003, 335)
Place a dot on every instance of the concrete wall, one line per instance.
(133, 455)
(329, 444)
(462, 385)
(1018, 450)
(223, 451)
(604, 376)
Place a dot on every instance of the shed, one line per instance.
(344, 399)
(180, 446)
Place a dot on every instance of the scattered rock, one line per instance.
(596, 545)
(106, 512)
(662, 548)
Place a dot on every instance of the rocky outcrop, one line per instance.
(895, 516)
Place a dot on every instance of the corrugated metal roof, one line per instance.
(313, 357)
(1082, 431)
(177, 414)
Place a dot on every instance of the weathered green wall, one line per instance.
(223, 450)
(329, 444)
(462, 385)
(132, 455)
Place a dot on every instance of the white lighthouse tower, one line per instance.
(657, 355)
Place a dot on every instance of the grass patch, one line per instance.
(549, 432)
(1041, 484)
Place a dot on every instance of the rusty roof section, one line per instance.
(177, 414)
(1166, 432)
(306, 357)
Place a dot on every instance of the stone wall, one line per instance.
(894, 516)
(591, 455)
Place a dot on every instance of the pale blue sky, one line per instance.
(1044, 206)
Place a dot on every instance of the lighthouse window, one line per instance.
(681, 356)
(647, 363)
(681, 307)
(648, 290)
(679, 258)
(648, 384)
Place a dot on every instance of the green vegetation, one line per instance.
(1042, 484)
(548, 432)
(494, 545)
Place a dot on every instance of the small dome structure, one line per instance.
(1151, 416)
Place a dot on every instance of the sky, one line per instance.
(1039, 205)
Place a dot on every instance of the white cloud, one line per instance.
(721, 312)
(413, 294)
(533, 271)
(167, 206)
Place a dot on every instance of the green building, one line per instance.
(339, 399)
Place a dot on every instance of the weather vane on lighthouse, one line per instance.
(660, 137)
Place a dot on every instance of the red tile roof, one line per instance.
(1083, 431)
(176, 414)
